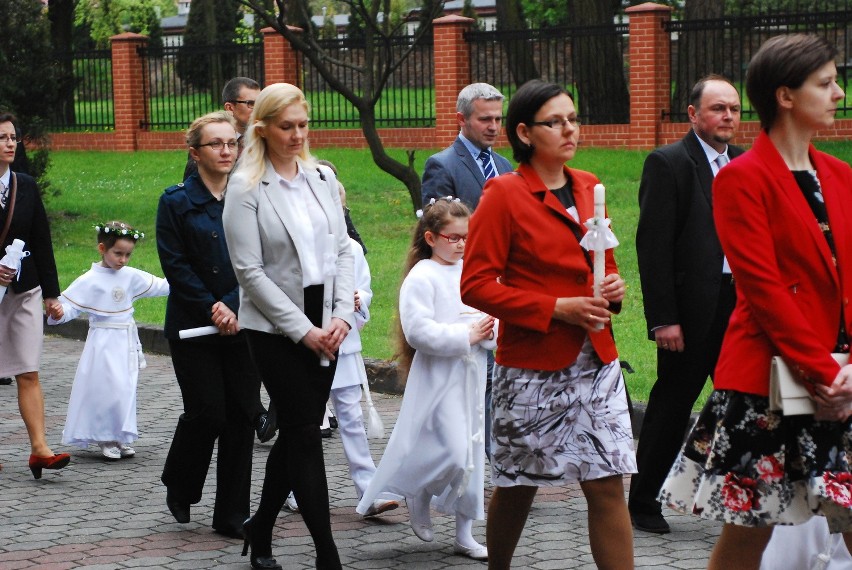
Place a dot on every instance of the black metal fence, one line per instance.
(408, 100)
(726, 44)
(185, 82)
(87, 102)
(589, 61)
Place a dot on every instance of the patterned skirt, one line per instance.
(746, 465)
(550, 428)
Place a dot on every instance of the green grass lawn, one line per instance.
(98, 186)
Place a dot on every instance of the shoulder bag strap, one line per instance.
(12, 191)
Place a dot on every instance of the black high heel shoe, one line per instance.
(259, 562)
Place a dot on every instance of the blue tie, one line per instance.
(487, 167)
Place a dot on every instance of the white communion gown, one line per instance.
(437, 443)
(807, 546)
(102, 406)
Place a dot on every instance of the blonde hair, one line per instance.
(271, 101)
(193, 133)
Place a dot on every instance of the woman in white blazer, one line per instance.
(288, 244)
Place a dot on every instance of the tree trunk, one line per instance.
(61, 15)
(699, 51)
(522, 66)
(405, 174)
(598, 64)
(378, 63)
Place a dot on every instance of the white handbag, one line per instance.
(787, 393)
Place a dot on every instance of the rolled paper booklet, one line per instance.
(200, 331)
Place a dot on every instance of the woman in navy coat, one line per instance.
(215, 373)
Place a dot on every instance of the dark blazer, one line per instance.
(194, 256)
(679, 254)
(789, 292)
(454, 172)
(29, 224)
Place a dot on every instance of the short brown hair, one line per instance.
(783, 61)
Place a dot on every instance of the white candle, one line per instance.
(600, 257)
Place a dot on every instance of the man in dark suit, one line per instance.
(686, 283)
(460, 170)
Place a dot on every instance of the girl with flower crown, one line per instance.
(436, 454)
(102, 408)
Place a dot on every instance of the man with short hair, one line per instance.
(462, 169)
(687, 285)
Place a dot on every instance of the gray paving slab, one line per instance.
(102, 515)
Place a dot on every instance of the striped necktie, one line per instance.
(487, 167)
(721, 161)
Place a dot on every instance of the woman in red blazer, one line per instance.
(559, 409)
(783, 213)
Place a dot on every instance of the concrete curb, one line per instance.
(381, 374)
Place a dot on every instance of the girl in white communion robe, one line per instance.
(102, 407)
(436, 452)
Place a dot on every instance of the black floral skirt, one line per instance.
(746, 465)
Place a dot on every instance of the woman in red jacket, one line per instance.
(783, 212)
(559, 409)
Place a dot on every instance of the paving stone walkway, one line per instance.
(103, 515)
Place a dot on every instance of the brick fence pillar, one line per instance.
(128, 86)
(281, 62)
(451, 63)
(650, 70)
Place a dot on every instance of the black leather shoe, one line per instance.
(179, 509)
(266, 425)
(654, 523)
(5, 381)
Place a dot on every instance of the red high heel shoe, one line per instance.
(57, 461)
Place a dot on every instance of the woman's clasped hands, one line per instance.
(224, 319)
(591, 312)
(834, 403)
(325, 342)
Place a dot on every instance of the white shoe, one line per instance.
(126, 450)
(290, 504)
(110, 450)
(478, 552)
(421, 523)
(380, 506)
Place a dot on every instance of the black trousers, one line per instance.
(680, 378)
(299, 388)
(214, 379)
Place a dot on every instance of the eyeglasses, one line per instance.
(8, 139)
(455, 238)
(558, 123)
(249, 104)
(218, 145)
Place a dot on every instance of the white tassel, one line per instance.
(375, 425)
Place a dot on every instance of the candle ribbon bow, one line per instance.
(15, 261)
(599, 236)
